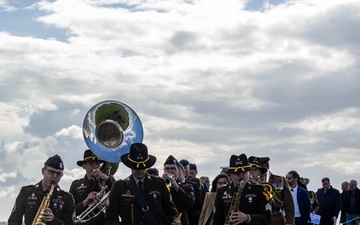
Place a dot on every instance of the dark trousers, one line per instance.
(298, 221)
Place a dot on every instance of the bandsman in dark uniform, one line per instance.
(61, 203)
(283, 199)
(90, 189)
(140, 199)
(182, 192)
(194, 212)
(242, 202)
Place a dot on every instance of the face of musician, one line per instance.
(237, 177)
(171, 169)
(187, 170)
(50, 175)
(221, 182)
(255, 173)
(181, 176)
(192, 173)
(138, 174)
(90, 168)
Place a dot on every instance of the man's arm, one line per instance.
(17, 213)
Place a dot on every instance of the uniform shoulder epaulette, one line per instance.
(157, 178)
(29, 186)
(66, 192)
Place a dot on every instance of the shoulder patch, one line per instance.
(65, 192)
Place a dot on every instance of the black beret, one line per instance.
(55, 162)
(184, 162)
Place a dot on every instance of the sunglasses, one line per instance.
(52, 173)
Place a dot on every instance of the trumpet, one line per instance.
(168, 180)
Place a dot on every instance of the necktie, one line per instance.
(292, 189)
(140, 184)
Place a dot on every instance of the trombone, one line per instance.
(97, 206)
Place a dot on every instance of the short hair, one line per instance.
(325, 179)
(354, 182)
(193, 166)
(152, 171)
(294, 174)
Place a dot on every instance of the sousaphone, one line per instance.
(109, 129)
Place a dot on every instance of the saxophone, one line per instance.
(235, 203)
(44, 204)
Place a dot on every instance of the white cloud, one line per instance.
(208, 79)
(72, 131)
(344, 120)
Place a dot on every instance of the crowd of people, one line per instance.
(244, 192)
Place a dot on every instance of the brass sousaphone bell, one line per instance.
(109, 129)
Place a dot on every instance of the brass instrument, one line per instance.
(235, 203)
(168, 180)
(109, 129)
(97, 206)
(269, 187)
(44, 204)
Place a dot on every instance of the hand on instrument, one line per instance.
(100, 175)
(47, 215)
(238, 217)
(89, 198)
(176, 222)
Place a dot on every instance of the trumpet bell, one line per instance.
(109, 129)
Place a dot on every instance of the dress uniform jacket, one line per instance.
(254, 201)
(122, 202)
(28, 202)
(194, 212)
(183, 199)
(283, 200)
(81, 188)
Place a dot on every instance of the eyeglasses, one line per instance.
(52, 173)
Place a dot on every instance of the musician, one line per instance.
(150, 191)
(85, 190)
(182, 191)
(194, 212)
(61, 205)
(283, 199)
(252, 206)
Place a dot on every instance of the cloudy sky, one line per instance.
(207, 78)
